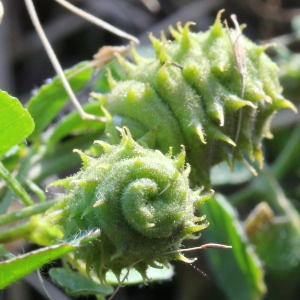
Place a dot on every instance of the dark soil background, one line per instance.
(24, 66)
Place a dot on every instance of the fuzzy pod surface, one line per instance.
(202, 91)
(140, 200)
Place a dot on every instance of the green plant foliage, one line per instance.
(73, 125)
(204, 99)
(22, 265)
(77, 284)
(239, 271)
(15, 185)
(274, 226)
(192, 93)
(15, 122)
(139, 198)
(222, 175)
(134, 277)
(51, 97)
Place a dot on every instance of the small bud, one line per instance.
(141, 202)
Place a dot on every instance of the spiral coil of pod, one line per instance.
(140, 200)
(191, 93)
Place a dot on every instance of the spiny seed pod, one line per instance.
(213, 92)
(140, 200)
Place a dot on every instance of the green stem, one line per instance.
(15, 185)
(36, 189)
(26, 212)
(242, 195)
(20, 176)
(264, 188)
(288, 156)
(274, 194)
(16, 233)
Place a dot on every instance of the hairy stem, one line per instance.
(25, 165)
(16, 233)
(26, 212)
(15, 185)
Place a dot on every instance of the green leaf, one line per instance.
(20, 266)
(238, 271)
(61, 157)
(15, 122)
(77, 284)
(134, 277)
(74, 125)
(51, 97)
(221, 174)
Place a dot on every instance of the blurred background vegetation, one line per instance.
(24, 66)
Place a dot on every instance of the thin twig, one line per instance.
(56, 64)
(97, 21)
(205, 246)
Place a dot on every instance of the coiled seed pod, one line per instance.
(202, 92)
(140, 200)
